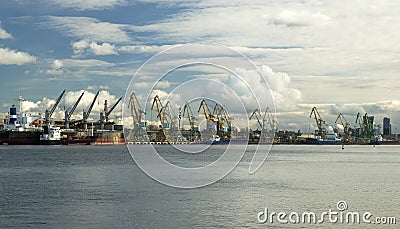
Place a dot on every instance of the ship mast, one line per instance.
(20, 100)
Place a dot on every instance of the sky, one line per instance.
(341, 56)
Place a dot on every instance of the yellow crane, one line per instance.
(224, 121)
(256, 113)
(318, 120)
(139, 126)
(206, 111)
(267, 117)
(346, 127)
(162, 113)
(136, 111)
(187, 112)
(343, 122)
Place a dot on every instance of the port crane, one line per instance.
(139, 127)
(166, 112)
(346, 127)
(108, 112)
(170, 126)
(226, 117)
(217, 118)
(224, 124)
(192, 120)
(343, 122)
(366, 128)
(161, 114)
(136, 111)
(210, 119)
(104, 116)
(86, 114)
(159, 107)
(206, 111)
(265, 136)
(48, 113)
(268, 117)
(69, 113)
(256, 113)
(318, 120)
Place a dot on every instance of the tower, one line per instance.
(386, 126)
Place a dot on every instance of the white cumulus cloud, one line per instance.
(83, 47)
(299, 18)
(88, 4)
(9, 57)
(102, 49)
(4, 34)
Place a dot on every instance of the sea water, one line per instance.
(102, 187)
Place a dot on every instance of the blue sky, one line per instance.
(342, 56)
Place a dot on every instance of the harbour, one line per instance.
(181, 126)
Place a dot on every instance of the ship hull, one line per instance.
(109, 138)
(20, 138)
(227, 142)
(313, 141)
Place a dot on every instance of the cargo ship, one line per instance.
(328, 139)
(20, 128)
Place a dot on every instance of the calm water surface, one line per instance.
(101, 187)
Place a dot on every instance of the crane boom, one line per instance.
(56, 104)
(111, 109)
(271, 120)
(343, 122)
(92, 104)
(75, 105)
(166, 114)
(204, 105)
(48, 113)
(159, 106)
(257, 114)
(188, 111)
(227, 118)
(86, 114)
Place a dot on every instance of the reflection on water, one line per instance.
(90, 186)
